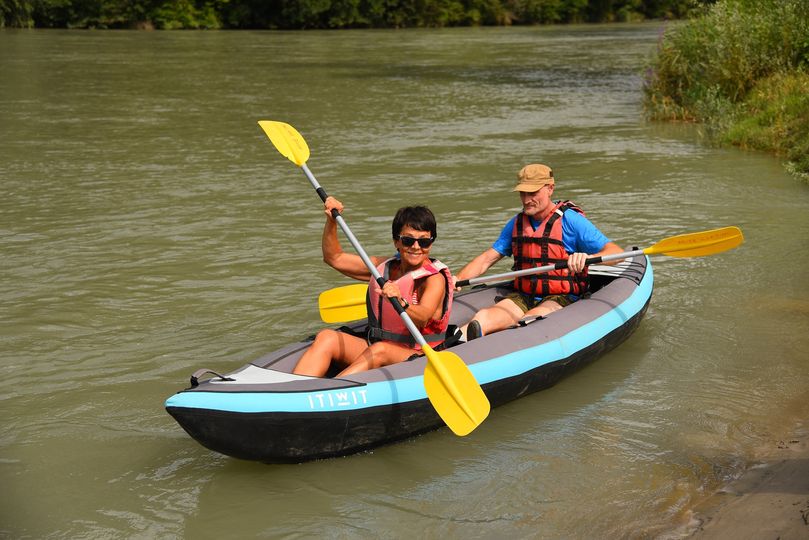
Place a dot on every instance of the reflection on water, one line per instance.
(147, 229)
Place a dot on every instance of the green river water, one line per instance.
(148, 228)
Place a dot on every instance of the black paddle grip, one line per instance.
(323, 196)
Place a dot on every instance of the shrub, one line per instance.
(723, 53)
(741, 69)
(775, 116)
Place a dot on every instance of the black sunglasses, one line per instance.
(408, 241)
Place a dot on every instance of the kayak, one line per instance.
(264, 412)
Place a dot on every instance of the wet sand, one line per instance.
(769, 501)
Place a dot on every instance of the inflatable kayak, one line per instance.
(263, 412)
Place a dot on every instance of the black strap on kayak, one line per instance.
(527, 320)
(362, 333)
(200, 372)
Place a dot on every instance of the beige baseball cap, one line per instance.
(533, 177)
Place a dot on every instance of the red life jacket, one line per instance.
(543, 246)
(384, 323)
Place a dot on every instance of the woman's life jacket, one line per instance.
(384, 323)
(543, 246)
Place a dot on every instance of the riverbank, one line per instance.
(742, 71)
(770, 500)
(775, 117)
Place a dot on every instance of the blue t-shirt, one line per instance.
(579, 235)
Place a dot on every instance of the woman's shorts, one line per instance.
(529, 302)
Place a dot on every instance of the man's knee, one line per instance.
(498, 317)
(546, 307)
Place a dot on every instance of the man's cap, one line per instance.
(533, 177)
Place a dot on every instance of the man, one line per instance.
(545, 232)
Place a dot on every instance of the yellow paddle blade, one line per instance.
(698, 244)
(286, 140)
(343, 304)
(455, 394)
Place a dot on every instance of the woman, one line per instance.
(421, 284)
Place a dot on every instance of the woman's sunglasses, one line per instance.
(408, 241)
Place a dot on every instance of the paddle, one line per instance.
(349, 301)
(698, 244)
(452, 389)
(343, 304)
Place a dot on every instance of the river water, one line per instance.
(148, 228)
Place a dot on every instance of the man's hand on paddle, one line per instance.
(576, 262)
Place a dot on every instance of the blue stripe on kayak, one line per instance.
(383, 393)
(361, 397)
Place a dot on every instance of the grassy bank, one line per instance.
(742, 69)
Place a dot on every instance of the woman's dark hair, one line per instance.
(418, 217)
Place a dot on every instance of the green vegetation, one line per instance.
(296, 14)
(742, 69)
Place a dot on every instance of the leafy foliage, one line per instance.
(777, 118)
(722, 67)
(724, 53)
(299, 14)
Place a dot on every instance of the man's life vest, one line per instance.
(384, 323)
(543, 246)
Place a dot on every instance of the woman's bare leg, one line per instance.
(381, 353)
(329, 346)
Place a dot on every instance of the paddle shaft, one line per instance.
(548, 268)
(364, 256)
(451, 388)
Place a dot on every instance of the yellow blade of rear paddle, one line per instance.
(455, 394)
(698, 244)
(286, 140)
(343, 304)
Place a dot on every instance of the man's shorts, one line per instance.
(528, 302)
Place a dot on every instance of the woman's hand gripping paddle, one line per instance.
(452, 389)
